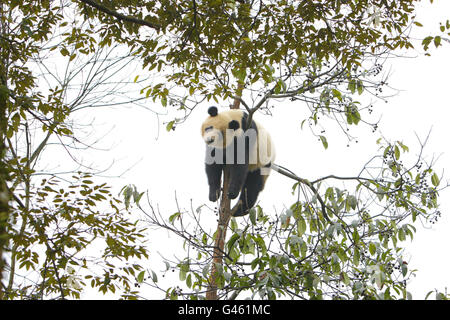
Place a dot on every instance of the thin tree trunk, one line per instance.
(4, 193)
(219, 241)
(222, 226)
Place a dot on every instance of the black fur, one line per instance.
(233, 125)
(238, 170)
(238, 175)
(212, 111)
(249, 194)
(214, 174)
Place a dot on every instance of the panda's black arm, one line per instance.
(214, 175)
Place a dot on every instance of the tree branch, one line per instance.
(119, 16)
(291, 175)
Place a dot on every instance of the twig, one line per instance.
(290, 174)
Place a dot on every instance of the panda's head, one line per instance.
(219, 129)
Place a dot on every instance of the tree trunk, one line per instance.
(219, 241)
(4, 193)
(222, 226)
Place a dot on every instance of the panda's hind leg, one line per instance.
(238, 172)
(249, 194)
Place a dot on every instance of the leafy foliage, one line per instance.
(54, 235)
(302, 50)
(356, 254)
(52, 227)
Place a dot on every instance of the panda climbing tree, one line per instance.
(244, 147)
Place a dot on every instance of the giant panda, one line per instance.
(247, 152)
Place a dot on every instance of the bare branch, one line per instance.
(289, 174)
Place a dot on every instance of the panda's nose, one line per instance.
(210, 140)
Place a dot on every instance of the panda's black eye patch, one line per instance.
(208, 128)
(233, 125)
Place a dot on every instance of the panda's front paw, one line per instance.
(214, 195)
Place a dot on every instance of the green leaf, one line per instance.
(435, 180)
(164, 104)
(337, 94)
(169, 126)
(401, 235)
(140, 277)
(404, 147)
(428, 294)
(324, 141)
(437, 41)
(233, 224)
(174, 216)
(253, 216)
(379, 277)
(356, 257)
(404, 269)
(355, 235)
(352, 86)
(189, 281)
(154, 277)
(301, 226)
(184, 269)
(352, 202)
(360, 87)
(397, 152)
(232, 240)
(64, 52)
(372, 248)
(426, 42)
(182, 275)
(345, 278)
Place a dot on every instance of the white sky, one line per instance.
(424, 104)
(173, 162)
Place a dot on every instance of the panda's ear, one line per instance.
(212, 111)
(233, 124)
